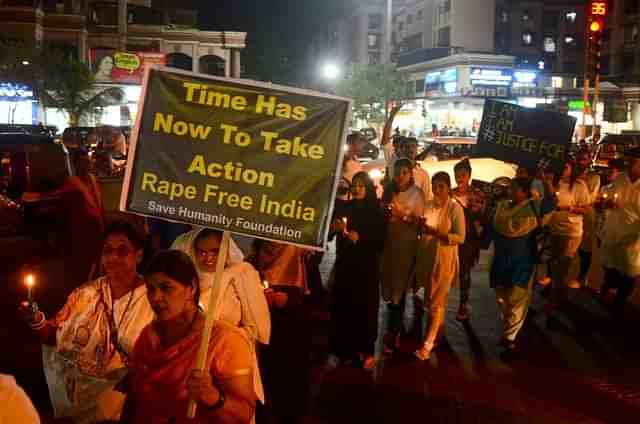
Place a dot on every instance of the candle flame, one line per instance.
(265, 284)
(29, 280)
(605, 195)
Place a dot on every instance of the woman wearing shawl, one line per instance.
(513, 230)
(437, 264)
(403, 202)
(359, 227)
(162, 377)
(240, 298)
(87, 344)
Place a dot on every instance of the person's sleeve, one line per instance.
(72, 304)
(256, 319)
(458, 230)
(17, 407)
(235, 358)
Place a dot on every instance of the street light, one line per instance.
(330, 71)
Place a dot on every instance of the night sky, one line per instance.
(280, 33)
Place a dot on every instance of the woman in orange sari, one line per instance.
(162, 378)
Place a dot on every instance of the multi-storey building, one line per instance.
(158, 30)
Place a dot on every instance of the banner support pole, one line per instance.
(201, 359)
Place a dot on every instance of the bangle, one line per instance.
(40, 324)
(221, 397)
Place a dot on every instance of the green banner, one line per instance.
(240, 156)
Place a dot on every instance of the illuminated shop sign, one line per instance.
(15, 92)
(444, 76)
(525, 78)
(492, 77)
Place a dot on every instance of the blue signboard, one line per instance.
(15, 92)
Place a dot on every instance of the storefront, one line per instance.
(17, 104)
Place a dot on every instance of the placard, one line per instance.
(240, 156)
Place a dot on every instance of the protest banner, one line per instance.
(240, 156)
(530, 138)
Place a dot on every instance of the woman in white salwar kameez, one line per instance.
(437, 264)
(86, 345)
(240, 298)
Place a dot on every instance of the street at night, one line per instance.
(319, 211)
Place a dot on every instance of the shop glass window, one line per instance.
(570, 17)
(556, 82)
(549, 45)
(375, 21)
(527, 38)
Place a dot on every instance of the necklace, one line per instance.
(114, 327)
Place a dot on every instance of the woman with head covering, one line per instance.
(513, 230)
(163, 378)
(359, 229)
(404, 203)
(239, 299)
(87, 344)
(437, 265)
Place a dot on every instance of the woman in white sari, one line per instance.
(240, 298)
(437, 263)
(86, 345)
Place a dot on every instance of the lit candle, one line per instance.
(345, 220)
(265, 284)
(29, 281)
(615, 197)
(604, 196)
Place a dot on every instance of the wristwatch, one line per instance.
(220, 403)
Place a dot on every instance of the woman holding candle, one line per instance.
(162, 378)
(360, 236)
(566, 228)
(404, 203)
(87, 344)
(437, 265)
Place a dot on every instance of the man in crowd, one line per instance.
(621, 233)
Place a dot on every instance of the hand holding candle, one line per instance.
(29, 281)
(346, 222)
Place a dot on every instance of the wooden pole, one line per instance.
(201, 359)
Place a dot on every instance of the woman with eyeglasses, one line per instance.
(87, 344)
(240, 299)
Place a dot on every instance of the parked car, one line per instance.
(447, 148)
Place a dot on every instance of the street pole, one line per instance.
(594, 106)
(387, 41)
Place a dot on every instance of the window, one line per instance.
(526, 15)
(527, 39)
(630, 34)
(409, 19)
(503, 16)
(444, 37)
(375, 21)
(374, 58)
(549, 45)
(419, 16)
(373, 41)
(419, 86)
(570, 40)
(414, 42)
(570, 17)
(556, 82)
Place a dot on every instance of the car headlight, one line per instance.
(375, 174)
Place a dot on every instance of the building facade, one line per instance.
(90, 30)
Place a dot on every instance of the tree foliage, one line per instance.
(372, 88)
(58, 80)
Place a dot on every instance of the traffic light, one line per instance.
(596, 16)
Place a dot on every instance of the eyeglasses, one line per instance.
(120, 251)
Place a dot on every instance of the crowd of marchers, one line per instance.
(123, 345)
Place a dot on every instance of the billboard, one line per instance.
(119, 67)
(246, 157)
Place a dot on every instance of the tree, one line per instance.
(373, 88)
(58, 80)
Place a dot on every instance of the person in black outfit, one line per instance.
(359, 228)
